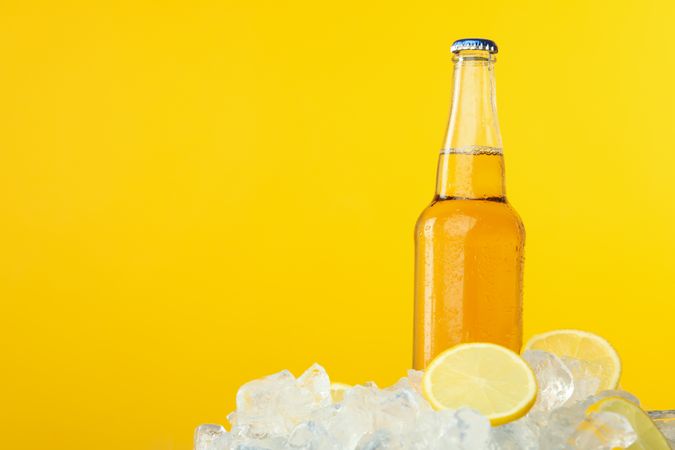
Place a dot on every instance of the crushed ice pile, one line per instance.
(282, 412)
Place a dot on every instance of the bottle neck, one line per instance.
(471, 165)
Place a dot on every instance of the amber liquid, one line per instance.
(468, 260)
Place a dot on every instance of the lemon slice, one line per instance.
(602, 360)
(489, 378)
(649, 436)
(337, 391)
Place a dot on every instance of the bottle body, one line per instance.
(468, 276)
(469, 243)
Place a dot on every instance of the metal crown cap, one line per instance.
(474, 44)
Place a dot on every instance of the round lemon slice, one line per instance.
(337, 391)
(603, 361)
(489, 378)
(648, 435)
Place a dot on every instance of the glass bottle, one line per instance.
(469, 240)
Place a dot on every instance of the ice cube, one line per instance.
(563, 427)
(261, 409)
(346, 423)
(412, 382)
(555, 381)
(316, 382)
(430, 428)
(556, 427)
(521, 434)
(397, 412)
(274, 443)
(259, 393)
(211, 437)
(586, 382)
(276, 404)
(311, 436)
(463, 429)
(415, 379)
(603, 431)
(612, 393)
(380, 440)
(473, 429)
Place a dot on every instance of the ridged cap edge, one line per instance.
(474, 44)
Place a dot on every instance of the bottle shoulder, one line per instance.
(480, 212)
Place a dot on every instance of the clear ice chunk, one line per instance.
(557, 427)
(316, 383)
(556, 384)
(412, 382)
(275, 405)
(612, 393)
(211, 437)
(521, 434)
(311, 436)
(379, 440)
(586, 383)
(473, 430)
(261, 407)
(603, 431)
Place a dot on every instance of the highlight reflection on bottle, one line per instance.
(469, 241)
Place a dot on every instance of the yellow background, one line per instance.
(195, 194)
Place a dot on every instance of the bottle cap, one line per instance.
(474, 44)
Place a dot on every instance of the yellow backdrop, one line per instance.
(195, 194)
